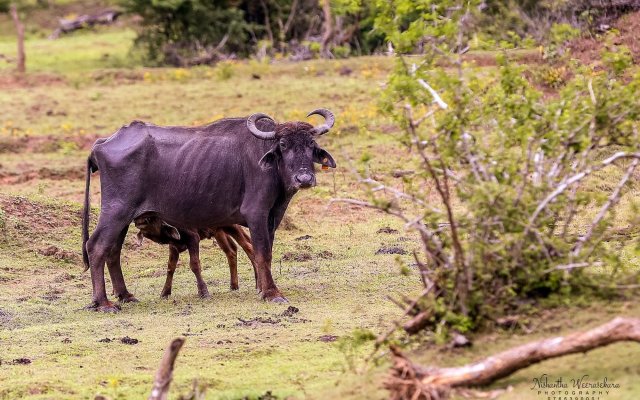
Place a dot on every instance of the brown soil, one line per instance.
(589, 49)
(11, 81)
(300, 257)
(59, 254)
(45, 144)
(14, 178)
(391, 250)
(38, 218)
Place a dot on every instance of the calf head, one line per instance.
(294, 149)
(155, 229)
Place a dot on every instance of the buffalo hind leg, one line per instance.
(262, 246)
(231, 251)
(193, 244)
(99, 248)
(242, 238)
(174, 254)
(115, 270)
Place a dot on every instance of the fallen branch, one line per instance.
(162, 381)
(411, 381)
(105, 17)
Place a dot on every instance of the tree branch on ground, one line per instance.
(411, 381)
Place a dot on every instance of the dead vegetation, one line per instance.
(416, 382)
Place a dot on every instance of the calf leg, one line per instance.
(193, 244)
(243, 239)
(231, 251)
(262, 243)
(174, 254)
(99, 247)
(115, 270)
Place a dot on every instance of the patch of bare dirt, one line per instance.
(15, 178)
(387, 230)
(296, 256)
(11, 81)
(128, 340)
(328, 338)
(59, 254)
(588, 49)
(38, 218)
(45, 143)
(391, 250)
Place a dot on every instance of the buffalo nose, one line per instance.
(304, 179)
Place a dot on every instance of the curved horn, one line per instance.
(251, 125)
(329, 120)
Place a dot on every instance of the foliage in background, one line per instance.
(500, 186)
(188, 32)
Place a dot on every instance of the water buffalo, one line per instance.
(233, 171)
(156, 230)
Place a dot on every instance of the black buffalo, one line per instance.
(228, 172)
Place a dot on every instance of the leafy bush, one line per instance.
(176, 31)
(501, 195)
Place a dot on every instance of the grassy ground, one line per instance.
(334, 278)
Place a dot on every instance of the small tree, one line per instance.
(12, 7)
(504, 178)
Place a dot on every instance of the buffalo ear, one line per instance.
(321, 156)
(170, 231)
(269, 159)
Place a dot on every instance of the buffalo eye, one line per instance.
(283, 144)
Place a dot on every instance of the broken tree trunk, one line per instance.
(106, 17)
(21, 64)
(162, 381)
(411, 381)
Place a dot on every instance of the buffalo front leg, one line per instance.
(193, 243)
(231, 251)
(115, 270)
(174, 254)
(262, 249)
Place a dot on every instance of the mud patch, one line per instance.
(105, 340)
(289, 312)
(128, 340)
(300, 257)
(327, 338)
(391, 250)
(14, 178)
(388, 230)
(21, 361)
(46, 143)
(258, 321)
(326, 255)
(305, 237)
(36, 218)
(59, 254)
(52, 294)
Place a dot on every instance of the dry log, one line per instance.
(162, 381)
(411, 381)
(105, 17)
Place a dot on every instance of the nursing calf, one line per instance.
(179, 240)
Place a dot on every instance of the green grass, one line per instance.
(46, 128)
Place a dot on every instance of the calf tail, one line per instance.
(86, 217)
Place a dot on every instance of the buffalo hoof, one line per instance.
(274, 297)
(204, 294)
(279, 299)
(128, 298)
(105, 307)
(234, 287)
